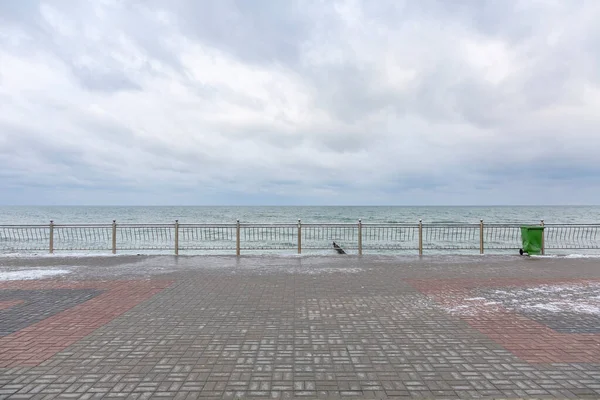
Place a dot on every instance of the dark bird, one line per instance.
(338, 248)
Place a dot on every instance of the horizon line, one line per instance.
(296, 205)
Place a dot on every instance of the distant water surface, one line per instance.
(287, 214)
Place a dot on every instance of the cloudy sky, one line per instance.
(299, 102)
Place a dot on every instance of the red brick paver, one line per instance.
(9, 303)
(38, 342)
(525, 338)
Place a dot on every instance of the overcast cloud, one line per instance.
(299, 102)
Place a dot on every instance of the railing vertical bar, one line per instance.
(420, 237)
(481, 236)
(114, 236)
(543, 238)
(237, 238)
(176, 237)
(51, 237)
(359, 237)
(299, 236)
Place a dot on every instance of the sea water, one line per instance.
(290, 214)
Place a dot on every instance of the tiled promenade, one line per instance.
(312, 327)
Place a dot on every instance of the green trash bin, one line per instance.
(533, 239)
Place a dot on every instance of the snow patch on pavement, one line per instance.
(318, 271)
(580, 298)
(31, 274)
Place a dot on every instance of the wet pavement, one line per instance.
(306, 327)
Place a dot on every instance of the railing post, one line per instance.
(51, 236)
(480, 236)
(176, 237)
(359, 237)
(299, 236)
(543, 238)
(114, 236)
(237, 238)
(420, 237)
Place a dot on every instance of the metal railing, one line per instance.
(297, 237)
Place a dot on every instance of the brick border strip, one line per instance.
(523, 337)
(40, 341)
